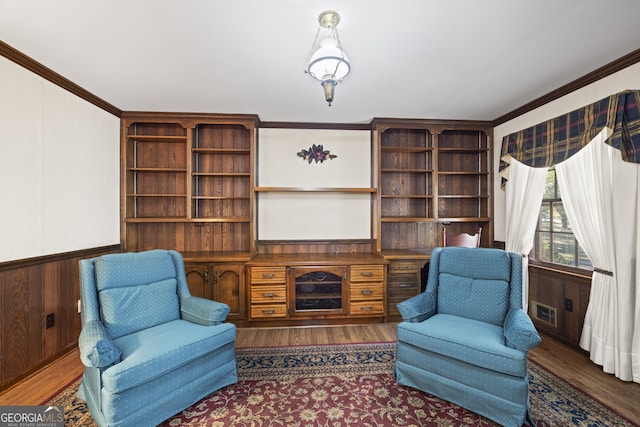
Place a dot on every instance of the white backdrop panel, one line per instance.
(309, 215)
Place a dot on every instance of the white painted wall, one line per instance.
(311, 215)
(59, 169)
(628, 78)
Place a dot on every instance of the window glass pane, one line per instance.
(550, 185)
(564, 249)
(554, 241)
(560, 220)
(545, 217)
(543, 247)
(583, 259)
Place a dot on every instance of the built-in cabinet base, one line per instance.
(404, 278)
(220, 277)
(291, 289)
(307, 289)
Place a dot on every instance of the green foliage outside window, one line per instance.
(554, 239)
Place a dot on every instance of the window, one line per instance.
(554, 240)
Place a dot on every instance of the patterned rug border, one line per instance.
(312, 360)
(577, 389)
(315, 345)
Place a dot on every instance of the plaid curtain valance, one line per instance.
(555, 140)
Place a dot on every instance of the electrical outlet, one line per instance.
(50, 320)
(568, 304)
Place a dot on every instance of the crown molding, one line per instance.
(34, 66)
(598, 74)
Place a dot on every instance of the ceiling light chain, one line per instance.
(313, 45)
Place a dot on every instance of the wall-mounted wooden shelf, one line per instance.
(361, 190)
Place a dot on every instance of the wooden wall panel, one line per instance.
(15, 322)
(568, 294)
(314, 247)
(29, 290)
(189, 237)
(53, 294)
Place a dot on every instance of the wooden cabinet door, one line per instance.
(228, 287)
(318, 291)
(198, 279)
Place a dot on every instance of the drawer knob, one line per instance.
(268, 275)
(269, 294)
(268, 312)
(367, 273)
(404, 267)
(369, 308)
(405, 285)
(366, 292)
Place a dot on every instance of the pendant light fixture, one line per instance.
(327, 61)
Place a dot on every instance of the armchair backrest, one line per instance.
(129, 292)
(476, 283)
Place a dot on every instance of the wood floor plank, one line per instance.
(40, 386)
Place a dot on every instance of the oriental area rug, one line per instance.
(350, 385)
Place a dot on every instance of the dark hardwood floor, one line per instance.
(572, 365)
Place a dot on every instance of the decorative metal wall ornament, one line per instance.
(317, 153)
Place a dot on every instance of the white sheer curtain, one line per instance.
(605, 224)
(523, 194)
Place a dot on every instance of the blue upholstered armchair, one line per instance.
(466, 338)
(150, 349)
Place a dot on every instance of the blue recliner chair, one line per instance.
(150, 349)
(466, 338)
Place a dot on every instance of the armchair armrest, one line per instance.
(96, 347)
(203, 311)
(519, 331)
(418, 308)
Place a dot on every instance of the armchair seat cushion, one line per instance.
(152, 352)
(468, 340)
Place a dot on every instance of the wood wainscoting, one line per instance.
(558, 301)
(33, 291)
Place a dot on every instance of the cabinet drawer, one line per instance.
(266, 311)
(392, 303)
(367, 273)
(266, 294)
(367, 308)
(399, 267)
(403, 285)
(366, 291)
(268, 275)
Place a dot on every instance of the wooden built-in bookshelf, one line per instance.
(189, 183)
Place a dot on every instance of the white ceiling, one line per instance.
(451, 59)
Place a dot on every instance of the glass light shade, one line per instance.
(329, 61)
(329, 86)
